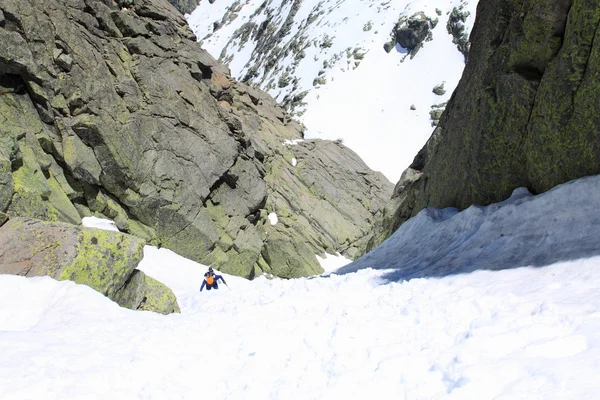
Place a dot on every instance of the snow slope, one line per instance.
(517, 333)
(561, 224)
(331, 52)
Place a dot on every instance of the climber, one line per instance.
(210, 280)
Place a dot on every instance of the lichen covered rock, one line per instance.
(411, 32)
(103, 260)
(142, 292)
(185, 6)
(112, 109)
(523, 114)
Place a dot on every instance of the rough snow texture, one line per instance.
(325, 59)
(560, 224)
(520, 333)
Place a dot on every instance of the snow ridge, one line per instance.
(522, 230)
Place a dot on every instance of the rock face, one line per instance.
(456, 27)
(524, 113)
(303, 182)
(112, 109)
(142, 292)
(185, 6)
(411, 33)
(103, 260)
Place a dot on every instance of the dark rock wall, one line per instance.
(111, 108)
(525, 112)
(185, 6)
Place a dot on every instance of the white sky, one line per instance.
(520, 333)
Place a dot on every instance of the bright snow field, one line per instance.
(519, 333)
(367, 101)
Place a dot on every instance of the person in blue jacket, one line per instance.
(210, 280)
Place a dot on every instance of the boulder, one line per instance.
(142, 292)
(411, 32)
(104, 260)
(439, 89)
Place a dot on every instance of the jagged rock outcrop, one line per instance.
(523, 114)
(304, 181)
(185, 6)
(104, 260)
(457, 28)
(436, 112)
(411, 32)
(111, 108)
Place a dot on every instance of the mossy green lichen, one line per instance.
(136, 228)
(158, 298)
(233, 261)
(39, 193)
(6, 184)
(104, 260)
(31, 191)
(18, 116)
(61, 202)
(81, 160)
(142, 292)
(524, 113)
(277, 254)
(3, 218)
(563, 143)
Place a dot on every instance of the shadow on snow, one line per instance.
(560, 225)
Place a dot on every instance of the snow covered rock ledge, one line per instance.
(104, 260)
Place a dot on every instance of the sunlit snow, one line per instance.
(292, 142)
(369, 105)
(273, 218)
(333, 262)
(95, 222)
(518, 333)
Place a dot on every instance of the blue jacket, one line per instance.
(214, 284)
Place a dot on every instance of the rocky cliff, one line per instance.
(185, 6)
(111, 108)
(524, 114)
